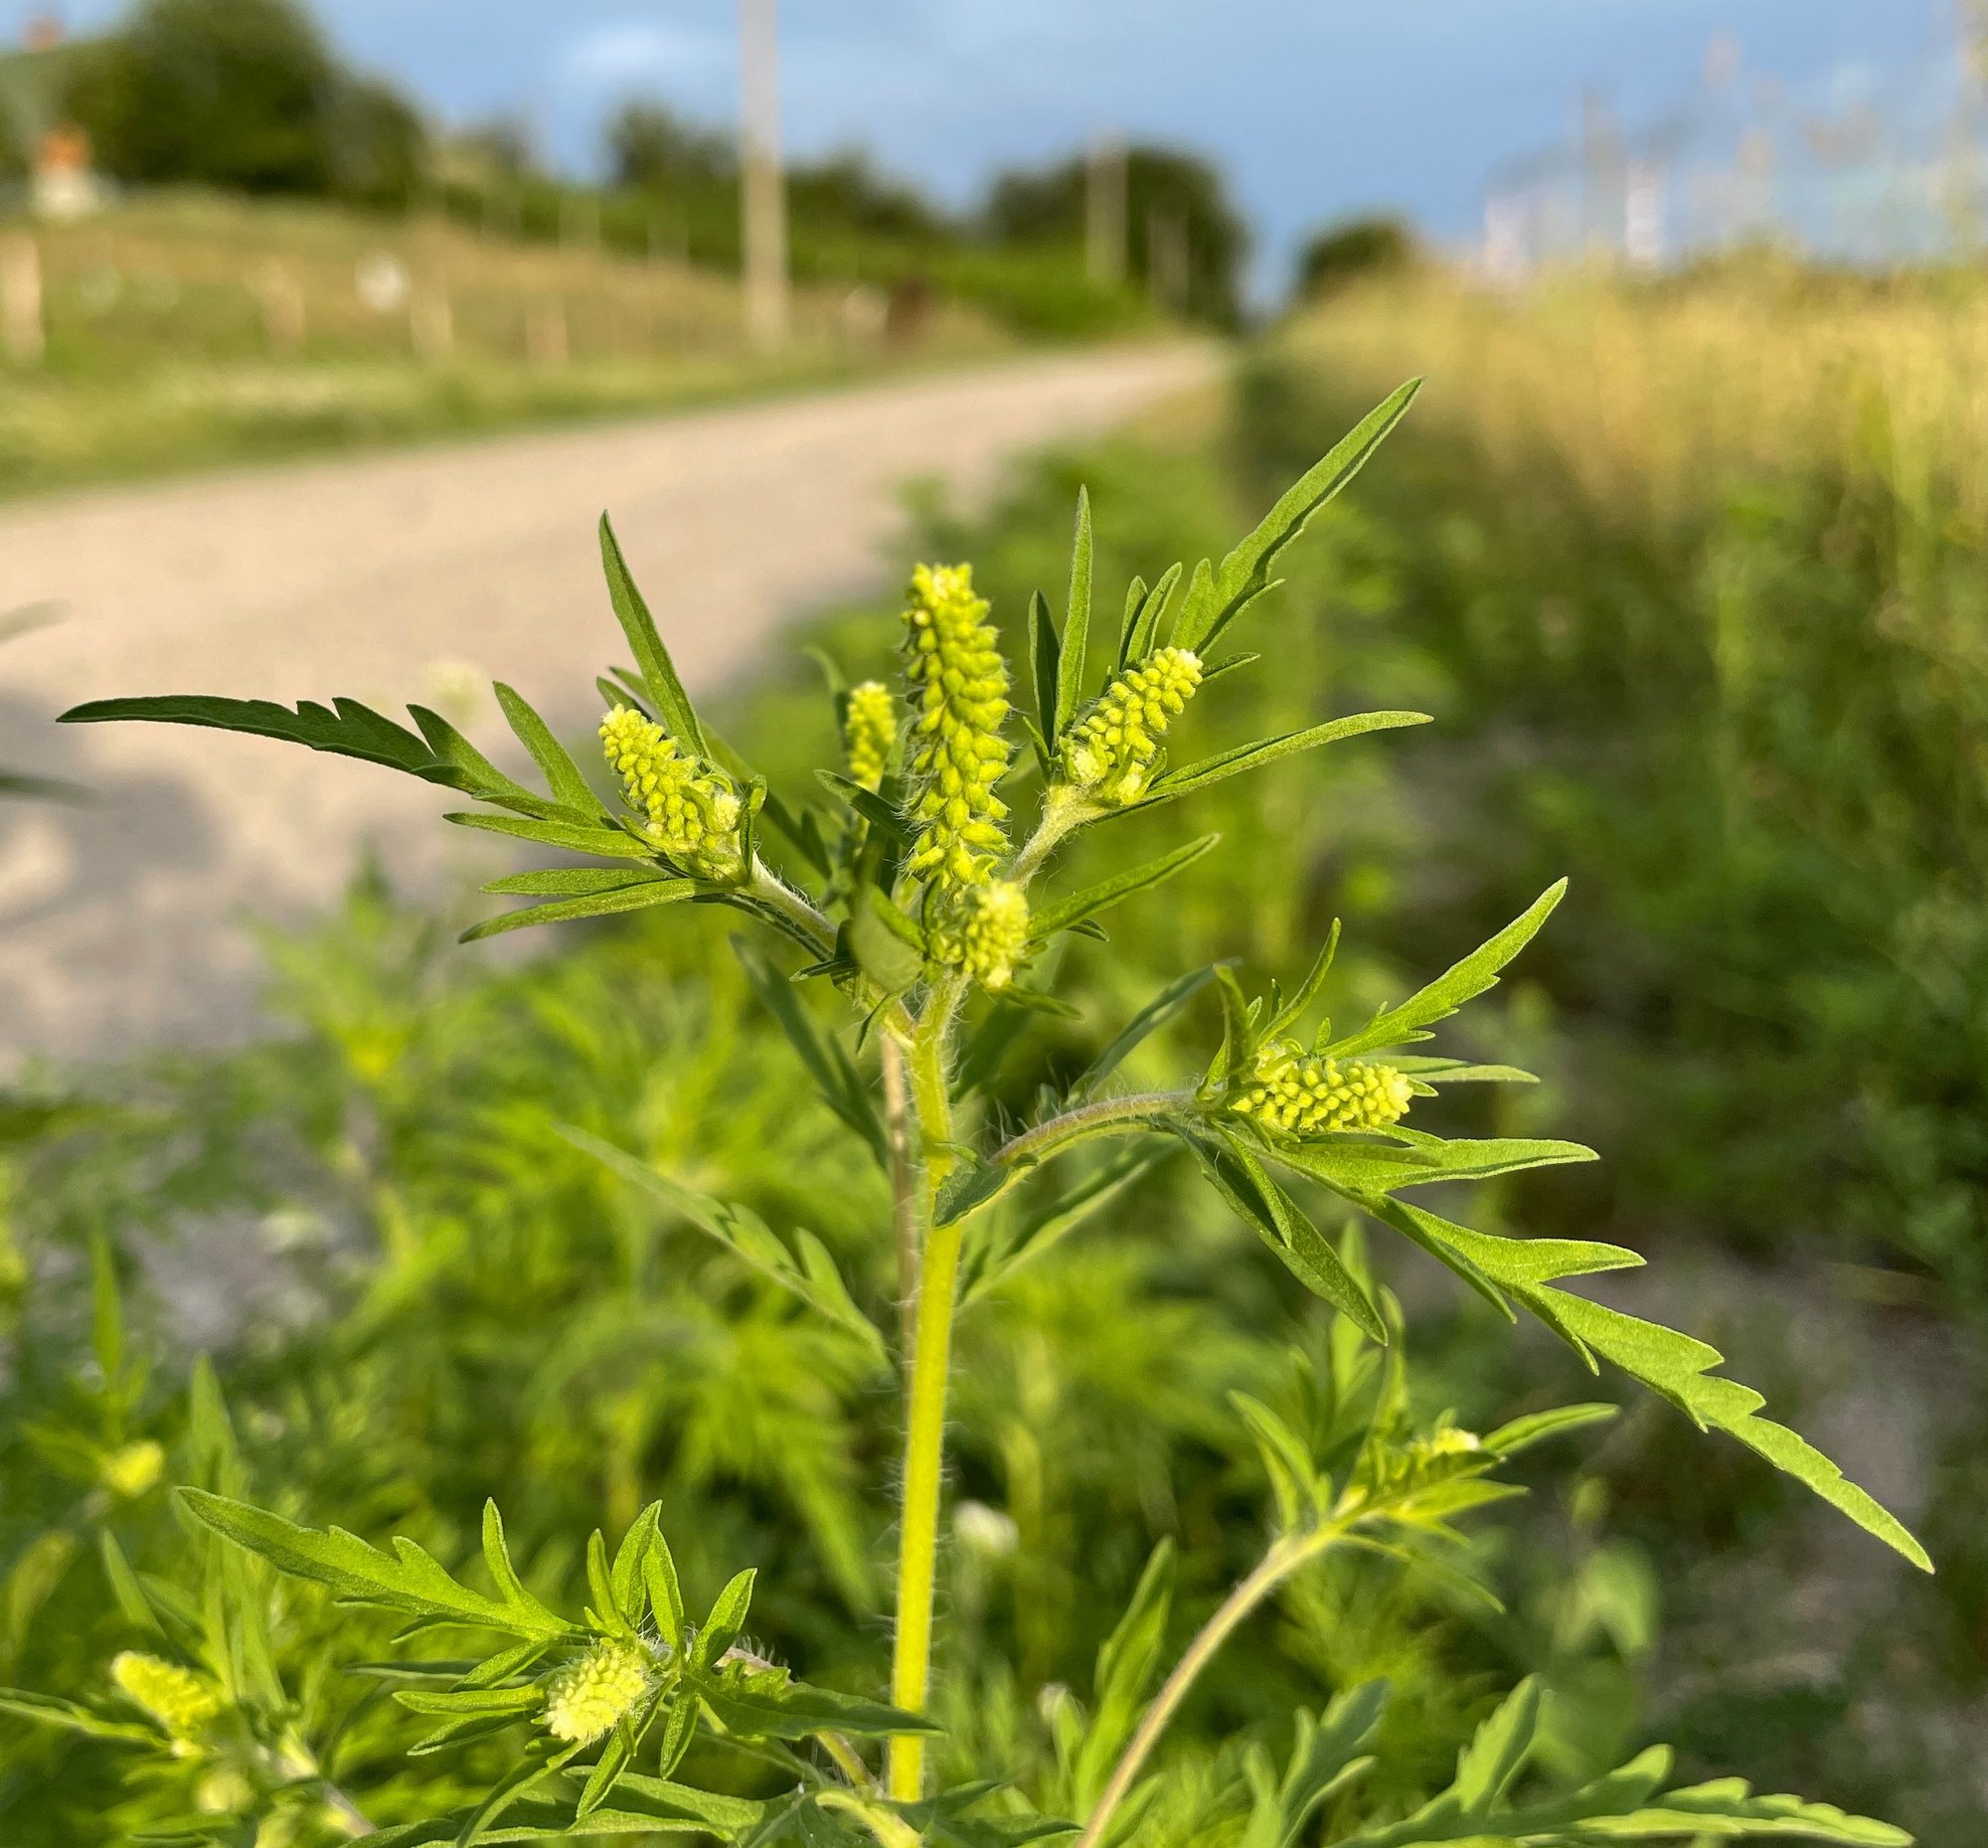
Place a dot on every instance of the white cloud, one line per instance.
(623, 53)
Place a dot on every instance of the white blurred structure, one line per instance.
(1868, 166)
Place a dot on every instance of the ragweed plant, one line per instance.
(918, 897)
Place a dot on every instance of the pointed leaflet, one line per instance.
(1125, 1664)
(1048, 1225)
(1045, 657)
(766, 1703)
(1671, 1364)
(641, 1805)
(1497, 1752)
(1136, 642)
(1676, 1365)
(406, 1579)
(1147, 1021)
(607, 843)
(1076, 624)
(561, 772)
(1192, 776)
(1462, 982)
(609, 902)
(828, 1064)
(1214, 602)
(659, 674)
(814, 1278)
(576, 882)
(1068, 912)
(1323, 1758)
(1259, 1201)
(627, 1582)
(346, 729)
(1354, 1167)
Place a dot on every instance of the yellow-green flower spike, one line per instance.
(1297, 1095)
(959, 687)
(869, 729)
(585, 1698)
(984, 933)
(690, 807)
(181, 1703)
(1113, 746)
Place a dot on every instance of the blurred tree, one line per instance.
(1163, 187)
(846, 191)
(1354, 248)
(379, 144)
(245, 95)
(653, 149)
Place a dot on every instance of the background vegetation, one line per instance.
(1690, 574)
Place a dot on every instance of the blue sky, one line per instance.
(1316, 107)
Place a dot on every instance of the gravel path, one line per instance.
(398, 576)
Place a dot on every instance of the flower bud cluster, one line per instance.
(957, 755)
(983, 932)
(1297, 1095)
(1112, 747)
(181, 1703)
(869, 729)
(691, 808)
(590, 1694)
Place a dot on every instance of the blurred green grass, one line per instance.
(186, 330)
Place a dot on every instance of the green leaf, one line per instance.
(607, 843)
(821, 1051)
(562, 775)
(666, 1605)
(659, 673)
(814, 1278)
(1676, 1365)
(877, 942)
(1147, 1021)
(1049, 1225)
(1351, 1166)
(1066, 913)
(1214, 602)
(1286, 1462)
(1462, 982)
(627, 1580)
(1497, 1752)
(1044, 654)
(1537, 1427)
(1262, 1204)
(645, 891)
(641, 1806)
(489, 782)
(768, 1703)
(1307, 990)
(133, 1602)
(1192, 776)
(346, 729)
(67, 1716)
(408, 1578)
(1135, 642)
(1127, 1662)
(1076, 624)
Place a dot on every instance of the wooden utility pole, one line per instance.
(763, 186)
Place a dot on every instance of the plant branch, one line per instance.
(768, 886)
(1046, 1138)
(1285, 1556)
(1062, 813)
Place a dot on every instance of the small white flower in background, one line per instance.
(985, 1530)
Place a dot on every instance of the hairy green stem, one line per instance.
(1063, 812)
(770, 889)
(1284, 1558)
(932, 1364)
(1046, 1138)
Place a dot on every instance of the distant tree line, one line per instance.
(250, 96)
(243, 94)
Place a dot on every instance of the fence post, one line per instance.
(23, 330)
(281, 299)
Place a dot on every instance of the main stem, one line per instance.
(932, 1364)
(1283, 1559)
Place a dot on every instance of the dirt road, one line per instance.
(403, 576)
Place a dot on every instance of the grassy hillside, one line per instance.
(189, 330)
